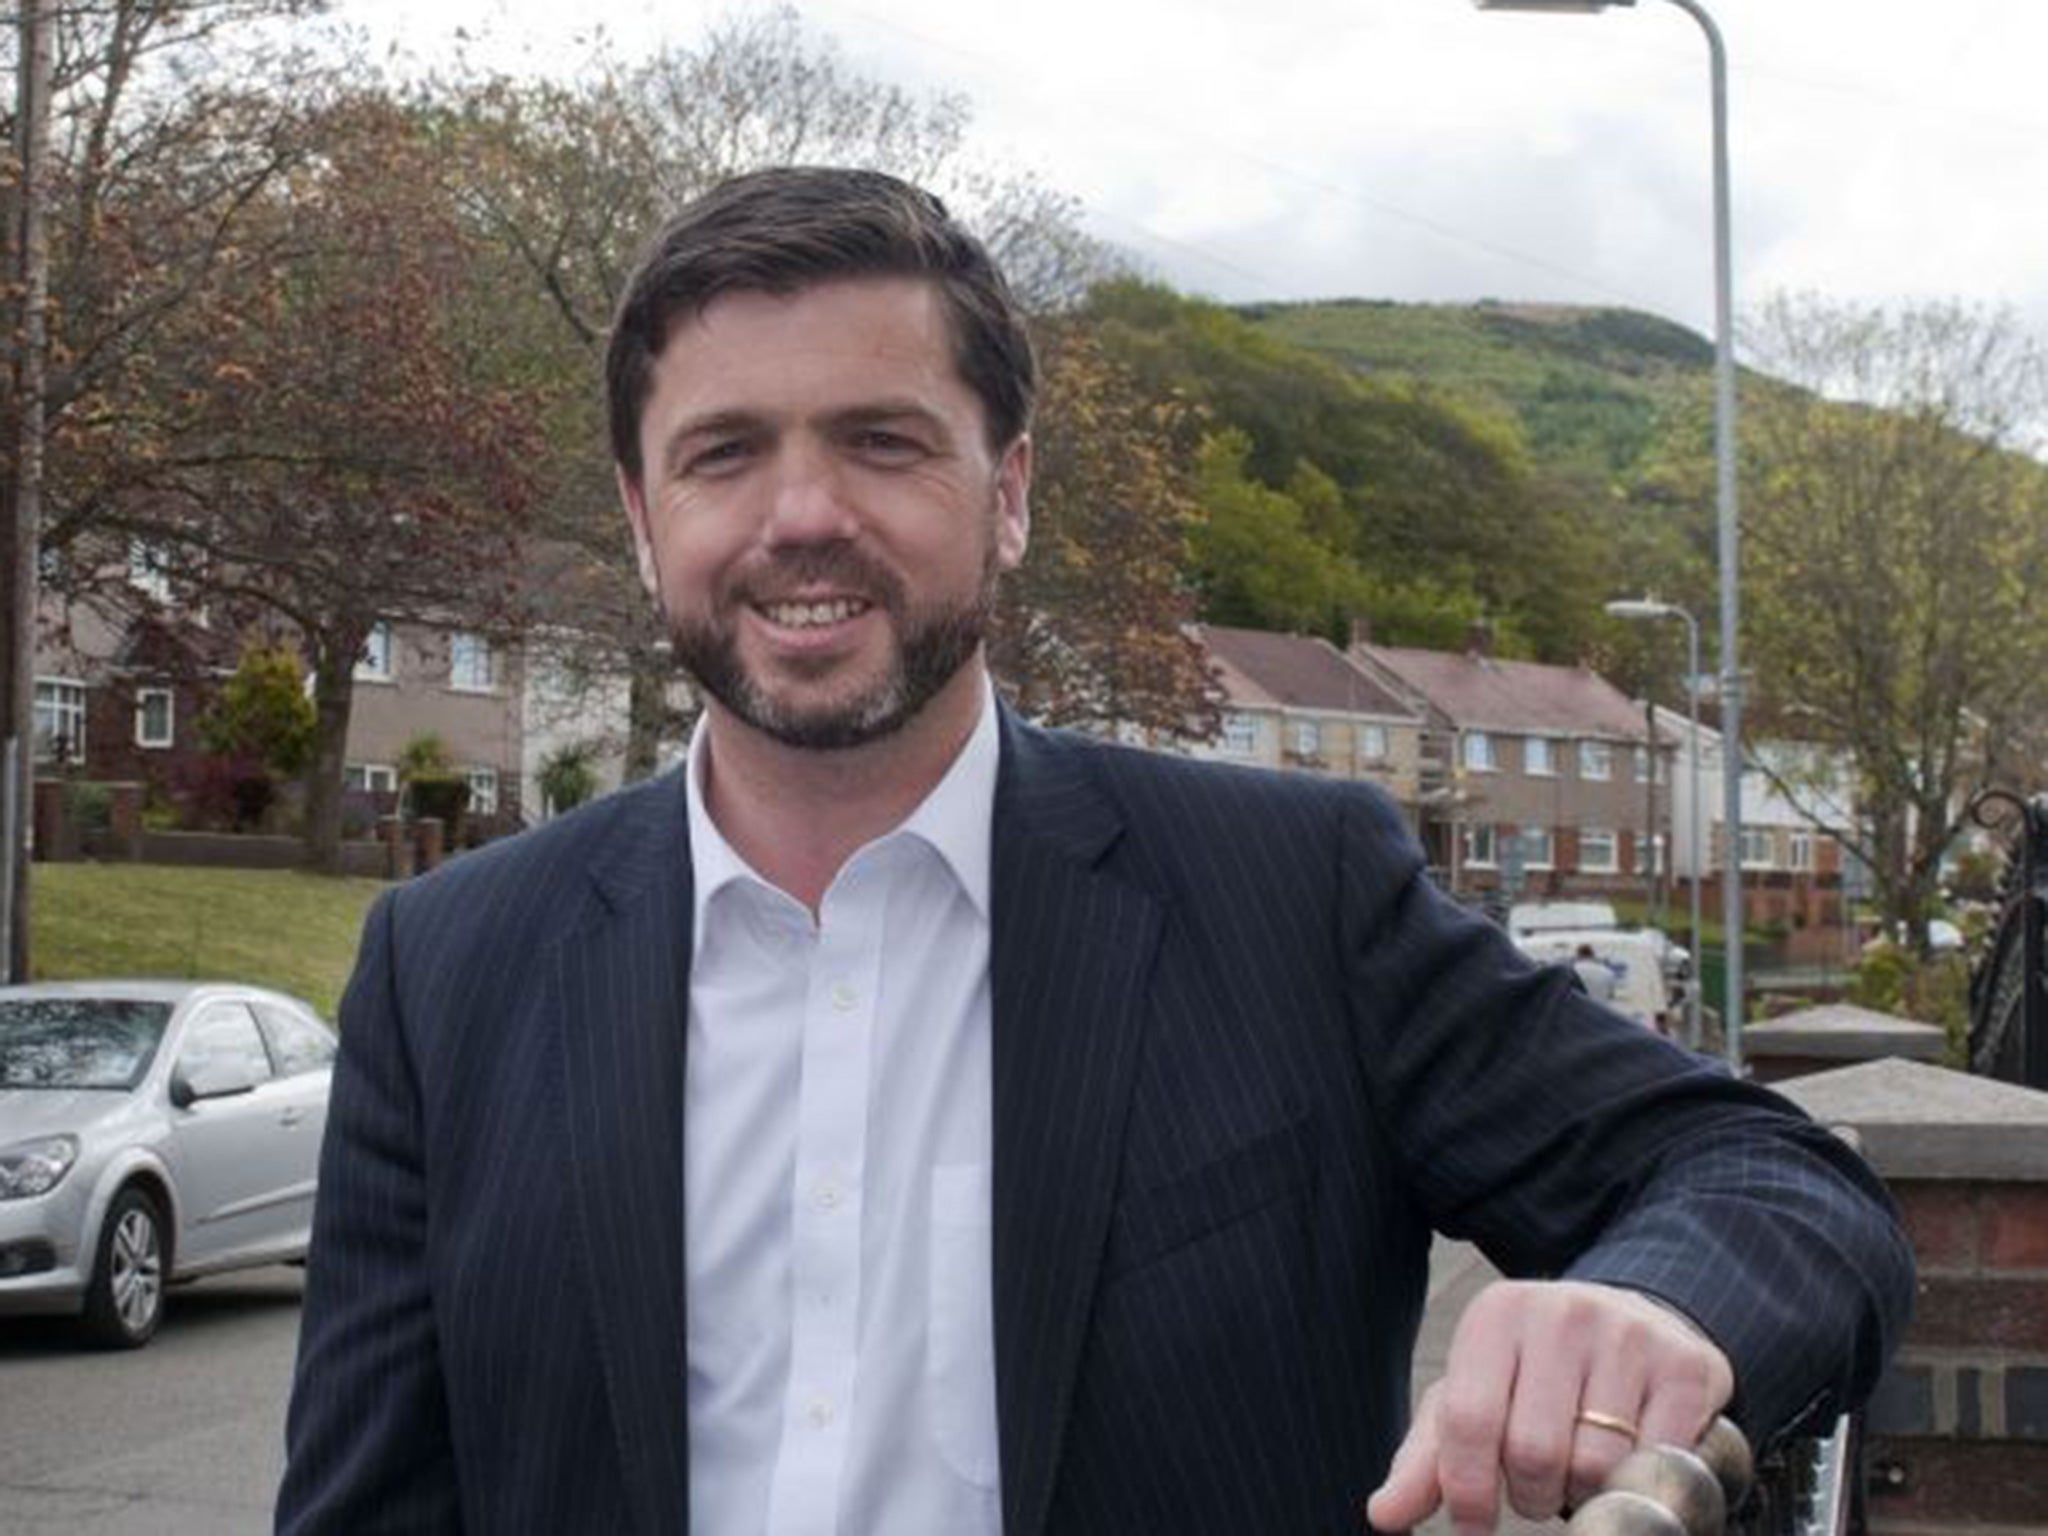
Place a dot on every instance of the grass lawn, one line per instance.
(280, 928)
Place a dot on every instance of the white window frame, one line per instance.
(1642, 755)
(370, 778)
(1240, 735)
(1475, 751)
(1373, 743)
(144, 737)
(59, 717)
(149, 570)
(1649, 858)
(483, 790)
(1770, 847)
(1799, 856)
(1534, 837)
(1308, 738)
(1596, 761)
(1588, 838)
(1539, 757)
(375, 665)
(1476, 834)
(472, 662)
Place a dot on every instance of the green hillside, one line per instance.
(1588, 386)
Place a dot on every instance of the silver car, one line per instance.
(152, 1132)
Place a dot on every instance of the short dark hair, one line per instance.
(780, 231)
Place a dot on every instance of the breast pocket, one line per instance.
(960, 1373)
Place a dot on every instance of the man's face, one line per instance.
(820, 514)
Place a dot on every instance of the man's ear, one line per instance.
(634, 498)
(1013, 503)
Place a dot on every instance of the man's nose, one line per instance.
(809, 501)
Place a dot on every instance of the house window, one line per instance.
(1537, 852)
(1240, 735)
(1479, 752)
(374, 665)
(469, 663)
(1308, 739)
(1650, 854)
(483, 791)
(370, 778)
(1801, 851)
(1758, 851)
(1479, 848)
(60, 720)
(154, 717)
(1599, 851)
(1596, 761)
(149, 569)
(1372, 743)
(1642, 755)
(1537, 758)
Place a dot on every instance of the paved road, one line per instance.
(183, 1438)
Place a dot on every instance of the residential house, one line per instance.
(465, 687)
(1795, 873)
(1296, 701)
(1535, 779)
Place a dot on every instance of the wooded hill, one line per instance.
(1429, 466)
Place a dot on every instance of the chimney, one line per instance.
(1361, 630)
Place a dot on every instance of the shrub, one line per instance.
(569, 776)
(262, 713)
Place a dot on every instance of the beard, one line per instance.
(934, 641)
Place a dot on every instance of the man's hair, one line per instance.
(781, 231)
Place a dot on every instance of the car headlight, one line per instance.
(31, 1168)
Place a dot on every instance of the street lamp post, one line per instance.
(1725, 506)
(1650, 608)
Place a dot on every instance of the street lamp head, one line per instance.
(1640, 608)
(1584, 7)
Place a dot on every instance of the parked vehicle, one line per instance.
(151, 1133)
(1634, 956)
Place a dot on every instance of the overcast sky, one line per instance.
(1419, 149)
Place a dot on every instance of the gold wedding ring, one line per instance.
(1613, 1421)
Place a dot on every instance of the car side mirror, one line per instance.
(211, 1080)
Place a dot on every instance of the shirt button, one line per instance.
(844, 997)
(819, 1412)
(826, 1196)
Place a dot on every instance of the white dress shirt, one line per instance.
(836, 1181)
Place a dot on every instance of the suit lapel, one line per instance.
(1071, 951)
(619, 996)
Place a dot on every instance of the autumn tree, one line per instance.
(360, 452)
(1896, 558)
(1092, 629)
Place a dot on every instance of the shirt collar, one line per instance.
(955, 819)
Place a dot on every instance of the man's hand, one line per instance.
(1538, 1376)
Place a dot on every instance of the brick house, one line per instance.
(1536, 780)
(1295, 701)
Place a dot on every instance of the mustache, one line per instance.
(780, 577)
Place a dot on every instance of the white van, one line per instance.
(1634, 955)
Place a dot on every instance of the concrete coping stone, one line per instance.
(1842, 1031)
(1916, 1121)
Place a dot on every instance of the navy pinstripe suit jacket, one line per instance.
(1246, 1057)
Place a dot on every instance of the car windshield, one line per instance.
(78, 1042)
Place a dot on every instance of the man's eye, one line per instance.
(718, 458)
(883, 446)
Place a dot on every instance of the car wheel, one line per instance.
(124, 1301)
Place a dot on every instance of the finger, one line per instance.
(1614, 1387)
(1408, 1495)
(1478, 1385)
(1537, 1445)
(1690, 1381)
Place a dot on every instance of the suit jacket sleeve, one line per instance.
(1568, 1141)
(368, 1437)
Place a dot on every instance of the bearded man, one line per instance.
(906, 1120)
